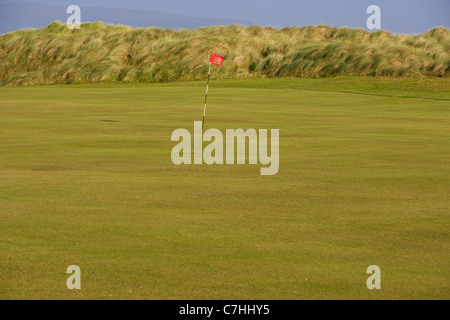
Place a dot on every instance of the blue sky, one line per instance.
(400, 16)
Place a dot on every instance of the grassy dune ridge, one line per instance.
(106, 53)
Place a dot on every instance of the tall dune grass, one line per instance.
(106, 53)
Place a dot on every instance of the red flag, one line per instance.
(215, 59)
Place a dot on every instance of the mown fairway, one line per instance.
(87, 179)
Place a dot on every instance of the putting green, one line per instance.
(87, 179)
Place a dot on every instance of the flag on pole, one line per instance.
(216, 60)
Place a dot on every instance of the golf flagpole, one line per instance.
(216, 60)
(206, 97)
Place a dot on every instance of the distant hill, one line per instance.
(107, 53)
(15, 16)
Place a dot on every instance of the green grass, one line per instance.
(87, 179)
(99, 53)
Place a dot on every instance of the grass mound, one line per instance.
(106, 53)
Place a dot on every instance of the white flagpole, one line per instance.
(206, 97)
